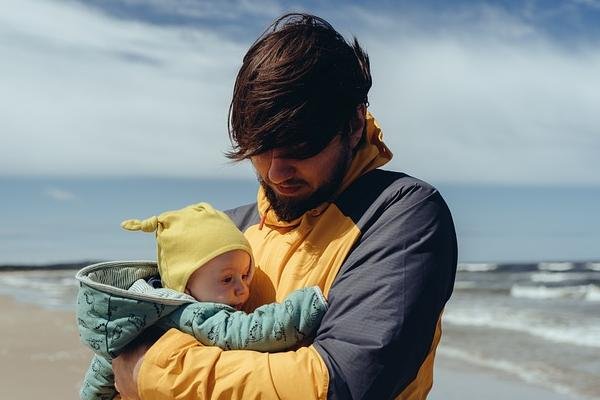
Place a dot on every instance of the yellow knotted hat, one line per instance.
(188, 238)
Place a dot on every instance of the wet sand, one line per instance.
(456, 380)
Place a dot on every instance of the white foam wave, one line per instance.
(593, 266)
(37, 284)
(528, 373)
(548, 277)
(565, 330)
(52, 289)
(544, 292)
(593, 294)
(477, 267)
(556, 266)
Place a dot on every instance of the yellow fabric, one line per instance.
(421, 385)
(309, 255)
(188, 238)
(225, 376)
(288, 256)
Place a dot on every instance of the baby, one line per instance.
(205, 266)
(201, 253)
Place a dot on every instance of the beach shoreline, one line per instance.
(458, 380)
(43, 358)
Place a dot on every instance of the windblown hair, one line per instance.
(298, 87)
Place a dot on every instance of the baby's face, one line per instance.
(224, 279)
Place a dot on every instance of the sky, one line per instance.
(502, 92)
(112, 109)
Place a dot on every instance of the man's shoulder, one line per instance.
(244, 216)
(379, 189)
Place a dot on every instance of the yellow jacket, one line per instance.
(384, 253)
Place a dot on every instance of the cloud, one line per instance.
(468, 94)
(223, 9)
(588, 3)
(492, 101)
(59, 194)
(85, 93)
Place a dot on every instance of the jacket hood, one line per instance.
(371, 153)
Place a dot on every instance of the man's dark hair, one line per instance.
(298, 87)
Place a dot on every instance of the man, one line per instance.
(380, 244)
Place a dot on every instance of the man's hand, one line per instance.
(126, 368)
(127, 365)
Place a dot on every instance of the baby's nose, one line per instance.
(241, 289)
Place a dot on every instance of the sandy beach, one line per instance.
(43, 358)
(40, 351)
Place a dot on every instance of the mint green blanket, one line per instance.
(115, 305)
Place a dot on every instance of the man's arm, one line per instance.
(379, 328)
(389, 295)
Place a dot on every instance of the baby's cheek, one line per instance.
(224, 298)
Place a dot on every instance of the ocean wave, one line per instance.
(586, 292)
(37, 284)
(593, 266)
(593, 294)
(556, 266)
(547, 266)
(555, 277)
(477, 267)
(558, 329)
(54, 289)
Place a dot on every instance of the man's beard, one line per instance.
(289, 208)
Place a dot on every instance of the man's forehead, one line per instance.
(300, 150)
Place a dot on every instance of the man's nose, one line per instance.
(280, 169)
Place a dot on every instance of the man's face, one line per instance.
(294, 185)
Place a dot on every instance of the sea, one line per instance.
(526, 300)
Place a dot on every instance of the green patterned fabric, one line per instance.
(115, 305)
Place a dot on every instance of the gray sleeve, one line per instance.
(388, 296)
(270, 328)
(244, 216)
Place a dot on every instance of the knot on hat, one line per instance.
(146, 225)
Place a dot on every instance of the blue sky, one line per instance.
(502, 92)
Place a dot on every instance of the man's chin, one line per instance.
(287, 208)
(292, 193)
(294, 200)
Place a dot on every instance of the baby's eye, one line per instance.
(227, 279)
(245, 277)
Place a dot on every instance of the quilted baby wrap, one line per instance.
(115, 304)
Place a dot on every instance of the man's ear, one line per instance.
(357, 125)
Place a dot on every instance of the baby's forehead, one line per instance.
(227, 266)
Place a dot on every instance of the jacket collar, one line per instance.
(371, 153)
